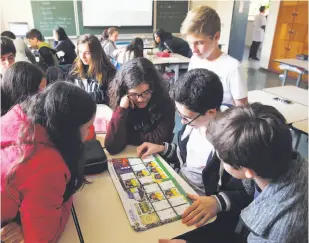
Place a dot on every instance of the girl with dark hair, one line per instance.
(21, 80)
(42, 165)
(165, 41)
(92, 69)
(108, 39)
(143, 110)
(64, 44)
(133, 50)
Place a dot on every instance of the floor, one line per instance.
(259, 79)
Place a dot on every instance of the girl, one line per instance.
(143, 110)
(92, 69)
(133, 50)
(108, 39)
(64, 44)
(165, 41)
(41, 149)
(20, 81)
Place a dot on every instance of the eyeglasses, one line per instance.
(146, 95)
(187, 120)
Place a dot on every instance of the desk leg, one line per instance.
(299, 79)
(297, 140)
(285, 77)
(176, 71)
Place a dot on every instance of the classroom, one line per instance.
(154, 121)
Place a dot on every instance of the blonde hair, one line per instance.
(202, 20)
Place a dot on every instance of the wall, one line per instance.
(269, 33)
(249, 33)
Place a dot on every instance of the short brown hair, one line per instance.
(202, 20)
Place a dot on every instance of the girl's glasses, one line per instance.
(146, 95)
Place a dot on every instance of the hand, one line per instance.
(203, 209)
(147, 149)
(12, 233)
(171, 241)
(125, 102)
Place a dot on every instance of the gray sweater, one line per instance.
(280, 213)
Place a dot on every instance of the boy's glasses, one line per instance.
(146, 95)
(187, 120)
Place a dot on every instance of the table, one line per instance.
(175, 61)
(302, 128)
(300, 65)
(293, 93)
(102, 217)
(293, 112)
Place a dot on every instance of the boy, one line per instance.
(47, 56)
(255, 143)
(8, 53)
(202, 28)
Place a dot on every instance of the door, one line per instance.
(238, 29)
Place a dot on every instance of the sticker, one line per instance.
(151, 165)
(145, 207)
(131, 183)
(166, 214)
(138, 167)
(167, 185)
(176, 201)
(149, 159)
(137, 194)
(148, 219)
(172, 192)
(156, 196)
(181, 209)
(135, 161)
(140, 170)
(127, 176)
(161, 205)
(159, 176)
(146, 180)
(151, 188)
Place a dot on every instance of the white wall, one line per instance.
(269, 33)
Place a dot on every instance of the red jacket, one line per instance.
(40, 182)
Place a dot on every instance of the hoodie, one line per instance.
(20, 47)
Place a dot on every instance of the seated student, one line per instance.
(8, 52)
(29, 54)
(47, 56)
(21, 80)
(108, 40)
(143, 110)
(41, 167)
(167, 42)
(133, 50)
(64, 44)
(21, 55)
(92, 70)
(255, 143)
(202, 28)
(198, 96)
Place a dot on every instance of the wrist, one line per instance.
(218, 204)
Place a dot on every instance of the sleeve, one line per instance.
(43, 213)
(263, 21)
(109, 49)
(163, 132)
(116, 135)
(170, 155)
(29, 55)
(47, 56)
(238, 83)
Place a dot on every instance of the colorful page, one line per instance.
(150, 195)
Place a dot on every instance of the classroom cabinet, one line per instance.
(291, 35)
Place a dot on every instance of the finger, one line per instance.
(6, 233)
(132, 104)
(204, 220)
(189, 210)
(163, 240)
(196, 219)
(193, 196)
(17, 238)
(140, 149)
(147, 153)
(193, 214)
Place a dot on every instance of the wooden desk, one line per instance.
(295, 94)
(292, 112)
(301, 65)
(175, 61)
(102, 217)
(301, 126)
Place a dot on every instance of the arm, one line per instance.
(47, 56)
(238, 86)
(116, 135)
(43, 213)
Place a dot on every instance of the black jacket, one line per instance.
(47, 58)
(175, 45)
(69, 51)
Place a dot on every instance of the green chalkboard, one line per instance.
(99, 30)
(171, 14)
(47, 15)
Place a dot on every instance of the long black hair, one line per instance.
(62, 108)
(163, 36)
(133, 73)
(137, 46)
(21, 80)
(61, 34)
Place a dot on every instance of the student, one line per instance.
(108, 39)
(20, 51)
(29, 54)
(167, 42)
(133, 50)
(47, 56)
(143, 110)
(21, 80)
(8, 52)
(92, 69)
(202, 28)
(64, 44)
(258, 33)
(41, 168)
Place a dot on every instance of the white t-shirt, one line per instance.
(230, 72)
(258, 32)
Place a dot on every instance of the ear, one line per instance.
(217, 36)
(249, 173)
(212, 112)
